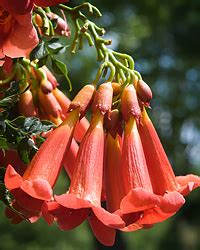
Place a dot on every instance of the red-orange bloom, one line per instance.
(15, 20)
(115, 191)
(84, 196)
(35, 186)
(138, 185)
(159, 165)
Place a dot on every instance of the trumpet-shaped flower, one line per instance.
(84, 194)
(159, 165)
(140, 196)
(35, 186)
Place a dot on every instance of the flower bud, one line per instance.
(26, 104)
(103, 98)
(46, 86)
(62, 27)
(50, 77)
(144, 92)
(129, 103)
(38, 20)
(49, 104)
(83, 99)
(62, 99)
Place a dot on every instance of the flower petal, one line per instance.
(26, 201)
(12, 178)
(71, 201)
(138, 199)
(108, 219)
(103, 233)
(39, 189)
(17, 8)
(67, 219)
(16, 45)
(169, 204)
(188, 183)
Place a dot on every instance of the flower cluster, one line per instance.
(119, 162)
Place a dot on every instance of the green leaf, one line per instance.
(39, 52)
(9, 101)
(42, 61)
(11, 96)
(31, 125)
(23, 148)
(61, 69)
(3, 143)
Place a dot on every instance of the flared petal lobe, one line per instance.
(13, 25)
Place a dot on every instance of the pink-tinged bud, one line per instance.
(49, 104)
(62, 27)
(26, 104)
(46, 86)
(50, 76)
(62, 99)
(103, 98)
(144, 92)
(129, 103)
(83, 99)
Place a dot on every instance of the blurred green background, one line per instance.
(163, 38)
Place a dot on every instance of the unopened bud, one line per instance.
(46, 87)
(144, 92)
(49, 104)
(26, 104)
(129, 103)
(62, 99)
(50, 77)
(39, 21)
(103, 98)
(62, 27)
(83, 99)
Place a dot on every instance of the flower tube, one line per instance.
(84, 195)
(35, 186)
